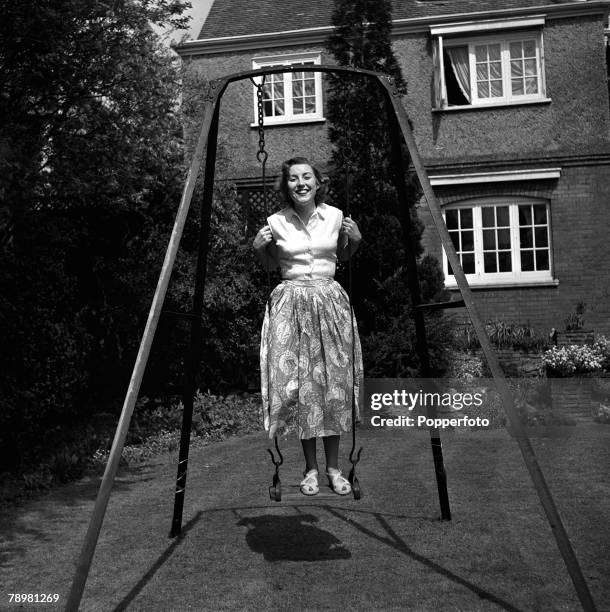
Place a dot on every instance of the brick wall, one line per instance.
(580, 206)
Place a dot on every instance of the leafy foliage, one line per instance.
(90, 162)
(504, 334)
(359, 132)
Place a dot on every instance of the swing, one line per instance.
(400, 128)
(275, 490)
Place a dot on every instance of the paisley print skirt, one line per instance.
(306, 359)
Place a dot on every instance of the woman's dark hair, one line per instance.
(282, 182)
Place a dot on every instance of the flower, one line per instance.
(573, 360)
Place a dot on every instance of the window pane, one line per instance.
(488, 216)
(504, 238)
(455, 238)
(489, 240)
(468, 263)
(297, 106)
(483, 89)
(496, 89)
(505, 261)
(516, 68)
(525, 237)
(451, 218)
(480, 53)
(310, 87)
(502, 214)
(529, 48)
(541, 237)
(540, 214)
(495, 70)
(279, 107)
(490, 262)
(525, 215)
(530, 68)
(515, 49)
(494, 52)
(468, 241)
(482, 72)
(531, 86)
(297, 88)
(466, 217)
(542, 260)
(310, 105)
(527, 261)
(517, 87)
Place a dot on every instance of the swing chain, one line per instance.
(261, 155)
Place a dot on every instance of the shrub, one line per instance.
(502, 334)
(572, 360)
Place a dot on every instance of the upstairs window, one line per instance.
(500, 241)
(290, 97)
(488, 69)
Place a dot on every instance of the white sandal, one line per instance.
(309, 484)
(338, 483)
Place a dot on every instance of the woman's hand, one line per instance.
(263, 238)
(350, 229)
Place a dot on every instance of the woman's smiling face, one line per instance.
(302, 184)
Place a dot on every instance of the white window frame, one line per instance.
(494, 32)
(289, 116)
(516, 276)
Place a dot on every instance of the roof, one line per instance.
(245, 17)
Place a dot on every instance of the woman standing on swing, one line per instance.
(308, 338)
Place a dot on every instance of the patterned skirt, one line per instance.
(307, 345)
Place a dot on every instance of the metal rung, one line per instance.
(441, 305)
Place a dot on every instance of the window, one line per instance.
(290, 97)
(488, 69)
(500, 240)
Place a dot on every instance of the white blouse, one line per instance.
(307, 251)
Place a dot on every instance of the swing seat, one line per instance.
(292, 493)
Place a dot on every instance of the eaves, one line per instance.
(319, 35)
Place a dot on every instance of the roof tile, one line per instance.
(243, 17)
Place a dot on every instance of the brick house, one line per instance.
(509, 103)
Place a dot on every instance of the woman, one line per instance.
(309, 338)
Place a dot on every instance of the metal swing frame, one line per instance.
(400, 130)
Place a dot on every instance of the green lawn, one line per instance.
(240, 551)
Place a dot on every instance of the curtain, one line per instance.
(460, 66)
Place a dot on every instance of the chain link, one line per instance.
(261, 154)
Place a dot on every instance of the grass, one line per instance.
(239, 551)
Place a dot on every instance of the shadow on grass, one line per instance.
(169, 551)
(400, 545)
(296, 538)
(292, 538)
(262, 537)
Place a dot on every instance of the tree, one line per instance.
(90, 170)
(361, 149)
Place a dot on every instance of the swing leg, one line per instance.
(194, 357)
(418, 315)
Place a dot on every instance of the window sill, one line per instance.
(486, 105)
(287, 122)
(516, 284)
